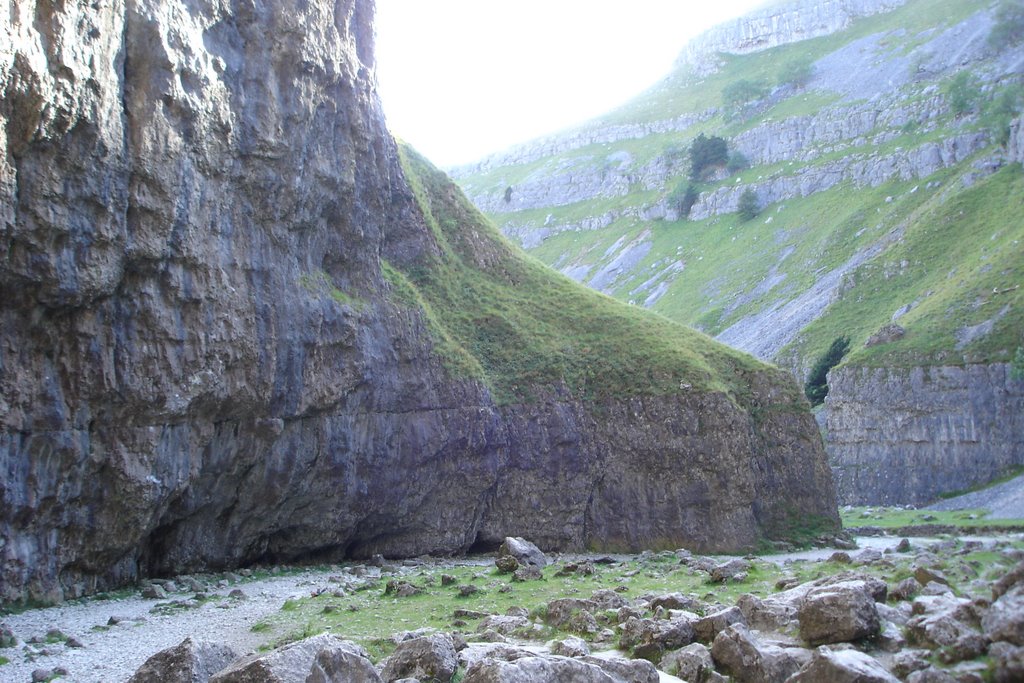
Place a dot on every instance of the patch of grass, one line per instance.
(320, 283)
(260, 627)
(4, 660)
(531, 332)
(895, 518)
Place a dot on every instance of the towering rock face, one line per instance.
(779, 23)
(908, 435)
(202, 364)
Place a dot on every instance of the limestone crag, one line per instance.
(907, 435)
(202, 365)
(779, 24)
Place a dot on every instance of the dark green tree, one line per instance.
(707, 152)
(749, 205)
(1009, 28)
(683, 197)
(797, 72)
(737, 94)
(816, 388)
(963, 93)
(737, 162)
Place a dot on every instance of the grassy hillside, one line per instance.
(501, 316)
(929, 249)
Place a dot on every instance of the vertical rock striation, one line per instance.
(907, 435)
(202, 365)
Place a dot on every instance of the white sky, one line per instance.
(460, 79)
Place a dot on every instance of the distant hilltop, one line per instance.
(778, 23)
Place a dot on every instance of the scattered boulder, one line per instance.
(908, 661)
(506, 564)
(570, 647)
(523, 551)
(838, 613)
(626, 670)
(1007, 662)
(734, 570)
(690, 663)
(154, 592)
(607, 599)
(562, 610)
(527, 573)
(931, 675)
(189, 662)
(585, 568)
(926, 575)
(675, 601)
(320, 659)
(842, 666)
(1008, 581)
(536, 670)
(940, 621)
(1004, 620)
(429, 658)
(7, 637)
(711, 625)
(739, 654)
(905, 589)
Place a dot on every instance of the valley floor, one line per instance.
(266, 608)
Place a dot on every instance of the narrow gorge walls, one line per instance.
(213, 351)
(908, 435)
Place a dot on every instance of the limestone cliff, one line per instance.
(221, 342)
(778, 23)
(907, 435)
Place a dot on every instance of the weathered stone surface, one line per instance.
(741, 655)
(536, 670)
(525, 552)
(570, 647)
(1008, 662)
(688, 663)
(906, 435)
(842, 666)
(189, 662)
(196, 202)
(838, 613)
(1004, 620)
(429, 658)
(709, 626)
(320, 659)
(626, 670)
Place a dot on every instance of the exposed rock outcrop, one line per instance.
(779, 24)
(203, 364)
(906, 435)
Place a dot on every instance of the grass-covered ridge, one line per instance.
(935, 248)
(504, 318)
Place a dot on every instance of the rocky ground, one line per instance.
(917, 610)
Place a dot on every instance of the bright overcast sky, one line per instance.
(460, 79)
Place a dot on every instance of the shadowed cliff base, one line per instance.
(239, 331)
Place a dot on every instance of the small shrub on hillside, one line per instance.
(683, 198)
(736, 95)
(1017, 367)
(963, 93)
(705, 153)
(816, 388)
(1009, 28)
(737, 162)
(749, 205)
(797, 72)
(999, 113)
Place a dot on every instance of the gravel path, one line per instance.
(1003, 501)
(113, 654)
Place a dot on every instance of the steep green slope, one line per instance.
(502, 317)
(853, 170)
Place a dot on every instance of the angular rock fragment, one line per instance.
(838, 613)
(320, 659)
(738, 653)
(429, 658)
(842, 666)
(189, 662)
(525, 552)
